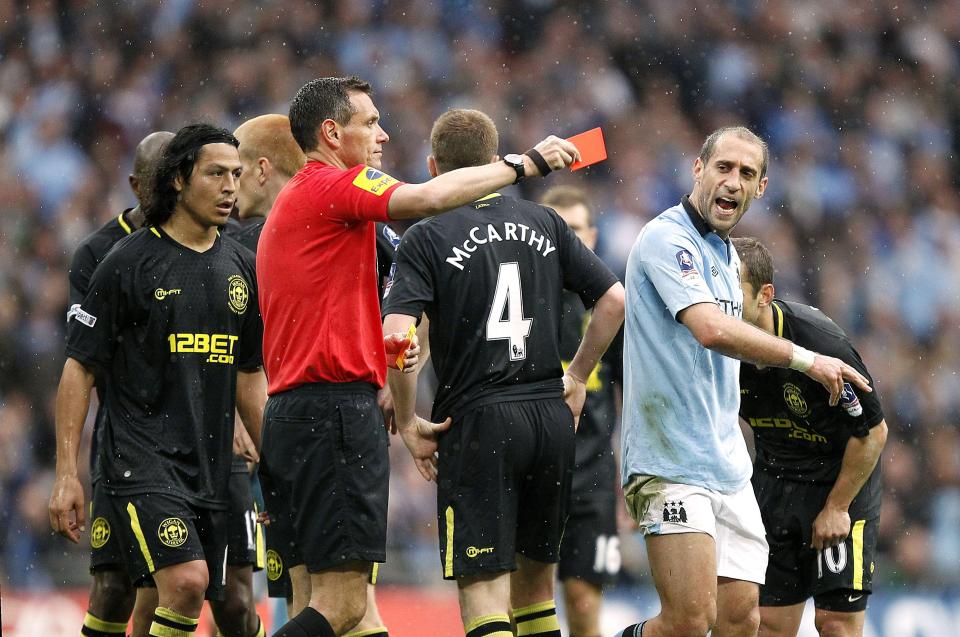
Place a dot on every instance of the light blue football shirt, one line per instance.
(680, 399)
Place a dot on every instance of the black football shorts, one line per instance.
(590, 549)
(105, 553)
(245, 543)
(505, 472)
(838, 578)
(160, 530)
(327, 470)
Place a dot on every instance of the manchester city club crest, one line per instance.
(794, 400)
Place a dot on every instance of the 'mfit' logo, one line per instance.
(219, 346)
(473, 551)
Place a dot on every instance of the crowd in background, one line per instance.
(860, 102)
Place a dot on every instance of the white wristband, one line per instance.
(802, 359)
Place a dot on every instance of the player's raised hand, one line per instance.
(575, 395)
(558, 153)
(830, 528)
(420, 436)
(832, 372)
(66, 508)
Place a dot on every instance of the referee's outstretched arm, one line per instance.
(463, 185)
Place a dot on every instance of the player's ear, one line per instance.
(330, 133)
(134, 185)
(263, 164)
(495, 159)
(761, 187)
(767, 292)
(432, 166)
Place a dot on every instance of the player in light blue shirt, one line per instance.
(686, 470)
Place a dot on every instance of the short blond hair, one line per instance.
(270, 136)
(463, 137)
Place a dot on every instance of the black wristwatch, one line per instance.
(516, 162)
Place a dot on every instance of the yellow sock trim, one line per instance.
(91, 621)
(382, 630)
(476, 622)
(519, 613)
(547, 621)
(174, 616)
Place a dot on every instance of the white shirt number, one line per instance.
(509, 297)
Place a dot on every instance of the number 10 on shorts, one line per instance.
(509, 297)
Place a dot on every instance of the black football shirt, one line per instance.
(490, 277)
(595, 471)
(798, 435)
(86, 258)
(168, 328)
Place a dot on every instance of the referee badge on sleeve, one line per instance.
(373, 181)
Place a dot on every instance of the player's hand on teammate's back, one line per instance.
(575, 395)
(398, 343)
(66, 508)
(830, 528)
(558, 153)
(832, 372)
(420, 436)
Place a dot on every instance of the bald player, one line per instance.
(270, 157)
(112, 593)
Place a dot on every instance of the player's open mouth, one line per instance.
(725, 203)
(226, 206)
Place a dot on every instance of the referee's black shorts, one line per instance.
(325, 460)
(505, 472)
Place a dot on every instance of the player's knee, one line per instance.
(348, 613)
(834, 627)
(112, 596)
(746, 621)
(695, 624)
(233, 614)
(190, 584)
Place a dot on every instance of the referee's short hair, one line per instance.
(321, 99)
(710, 144)
(565, 196)
(463, 137)
(756, 261)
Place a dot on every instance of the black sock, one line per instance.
(308, 623)
(636, 630)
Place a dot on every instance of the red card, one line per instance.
(591, 147)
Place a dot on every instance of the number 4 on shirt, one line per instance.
(508, 296)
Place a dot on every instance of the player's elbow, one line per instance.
(613, 303)
(879, 435)
(711, 334)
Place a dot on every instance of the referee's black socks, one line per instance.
(537, 620)
(95, 627)
(309, 623)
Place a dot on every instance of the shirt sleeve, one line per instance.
(94, 326)
(583, 271)
(674, 264)
(872, 412)
(81, 270)
(411, 286)
(251, 334)
(360, 194)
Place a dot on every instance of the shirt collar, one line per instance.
(695, 217)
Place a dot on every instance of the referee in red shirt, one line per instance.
(324, 442)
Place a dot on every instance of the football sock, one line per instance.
(489, 626)
(636, 630)
(95, 627)
(380, 631)
(169, 623)
(309, 623)
(537, 620)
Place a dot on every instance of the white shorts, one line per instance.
(733, 521)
